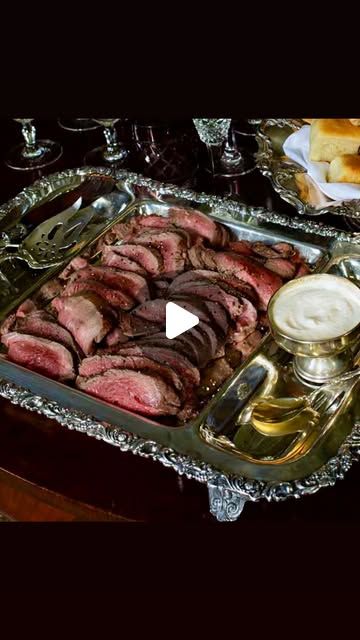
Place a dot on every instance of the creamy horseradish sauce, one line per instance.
(319, 307)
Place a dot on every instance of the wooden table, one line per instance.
(48, 473)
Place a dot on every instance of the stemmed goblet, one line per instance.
(113, 152)
(224, 155)
(32, 153)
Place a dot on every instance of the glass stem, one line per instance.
(111, 139)
(211, 156)
(31, 148)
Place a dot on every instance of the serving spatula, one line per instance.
(54, 240)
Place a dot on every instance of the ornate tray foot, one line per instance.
(226, 505)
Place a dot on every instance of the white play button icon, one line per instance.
(178, 320)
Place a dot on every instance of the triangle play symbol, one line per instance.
(178, 320)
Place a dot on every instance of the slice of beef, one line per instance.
(241, 246)
(111, 258)
(160, 340)
(132, 284)
(202, 258)
(152, 310)
(120, 231)
(214, 276)
(161, 288)
(132, 390)
(116, 337)
(264, 282)
(171, 246)
(264, 250)
(213, 376)
(213, 341)
(47, 292)
(87, 317)
(212, 292)
(284, 268)
(236, 352)
(285, 249)
(194, 305)
(132, 326)
(155, 221)
(148, 259)
(26, 307)
(99, 364)
(248, 344)
(219, 315)
(76, 263)
(116, 299)
(198, 222)
(41, 355)
(43, 324)
(181, 364)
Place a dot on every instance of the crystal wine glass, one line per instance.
(216, 133)
(32, 153)
(78, 124)
(113, 152)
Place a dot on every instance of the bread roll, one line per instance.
(332, 138)
(345, 168)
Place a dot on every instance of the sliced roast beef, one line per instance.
(210, 291)
(264, 250)
(285, 249)
(212, 339)
(132, 390)
(224, 281)
(171, 246)
(76, 263)
(26, 307)
(47, 292)
(264, 282)
(161, 287)
(152, 310)
(168, 355)
(87, 317)
(134, 326)
(201, 258)
(116, 337)
(41, 355)
(116, 299)
(198, 222)
(111, 258)
(133, 284)
(155, 221)
(284, 268)
(219, 315)
(242, 246)
(248, 344)
(120, 231)
(44, 325)
(99, 364)
(148, 259)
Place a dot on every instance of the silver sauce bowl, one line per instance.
(315, 360)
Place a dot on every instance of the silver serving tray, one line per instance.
(287, 177)
(181, 447)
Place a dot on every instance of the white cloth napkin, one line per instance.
(297, 148)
